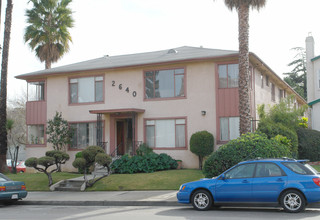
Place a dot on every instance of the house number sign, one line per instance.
(121, 87)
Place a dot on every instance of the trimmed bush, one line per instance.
(147, 163)
(273, 129)
(201, 144)
(248, 146)
(309, 144)
(144, 149)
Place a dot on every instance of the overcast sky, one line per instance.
(116, 27)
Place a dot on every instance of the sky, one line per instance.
(117, 27)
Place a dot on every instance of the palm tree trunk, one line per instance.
(244, 105)
(3, 93)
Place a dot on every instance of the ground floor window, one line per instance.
(36, 134)
(84, 135)
(166, 133)
(229, 128)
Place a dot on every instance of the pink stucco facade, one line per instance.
(200, 107)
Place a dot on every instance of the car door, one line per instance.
(236, 186)
(269, 181)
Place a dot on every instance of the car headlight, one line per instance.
(182, 187)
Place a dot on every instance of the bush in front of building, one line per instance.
(201, 144)
(144, 149)
(309, 144)
(148, 163)
(272, 129)
(246, 147)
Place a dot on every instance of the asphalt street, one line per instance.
(31, 212)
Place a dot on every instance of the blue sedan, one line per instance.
(286, 182)
(11, 190)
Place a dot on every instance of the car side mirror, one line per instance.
(222, 177)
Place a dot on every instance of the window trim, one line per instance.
(166, 98)
(82, 122)
(45, 90)
(87, 103)
(44, 136)
(168, 118)
(227, 64)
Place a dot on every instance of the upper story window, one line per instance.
(262, 81)
(86, 89)
(267, 80)
(36, 91)
(164, 83)
(318, 79)
(228, 75)
(273, 92)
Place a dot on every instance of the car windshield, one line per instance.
(299, 168)
(3, 178)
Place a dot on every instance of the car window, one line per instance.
(268, 170)
(298, 168)
(241, 171)
(3, 178)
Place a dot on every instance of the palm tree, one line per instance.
(48, 30)
(242, 7)
(3, 93)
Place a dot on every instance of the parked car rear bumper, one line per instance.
(14, 195)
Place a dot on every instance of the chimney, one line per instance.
(310, 72)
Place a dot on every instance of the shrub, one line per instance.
(309, 144)
(201, 144)
(59, 156)
(272, 129)
(147, 163)
(248, 146)
(144, 149)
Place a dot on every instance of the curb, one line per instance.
(101, 203)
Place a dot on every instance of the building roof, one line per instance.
(314, 102)
(110, 62)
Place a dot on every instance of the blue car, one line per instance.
(11, 190)
(286, 182)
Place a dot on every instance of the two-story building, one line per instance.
(160, 98)
(313, 84)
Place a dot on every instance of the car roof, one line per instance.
(284, 159)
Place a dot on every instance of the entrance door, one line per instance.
(120, 137)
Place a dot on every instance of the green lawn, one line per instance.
(39, 181)
(163, 180)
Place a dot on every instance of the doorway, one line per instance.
(124, 136)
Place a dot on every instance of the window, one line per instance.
(268, 170)
(262, 81)
(241, 171)
(36, 91)
(86, 89)
(166, 133)
(267, 80)
(273, 92)
(84, 135)
(36, 134)
(280, 94)
(228, 76)
(164, 83)
(299, 168)
(229, 128)
(318, 79)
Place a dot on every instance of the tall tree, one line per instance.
(297, 78)
(242, 7)
(3, 92)
(48, 29)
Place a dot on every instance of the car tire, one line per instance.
(292, 201)
(201, 200)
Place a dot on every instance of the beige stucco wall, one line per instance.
(200, 96)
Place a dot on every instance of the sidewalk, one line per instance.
(103, 198)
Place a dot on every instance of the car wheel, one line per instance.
(202, 200)
(292, 201)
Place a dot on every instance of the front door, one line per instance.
(120, 137)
